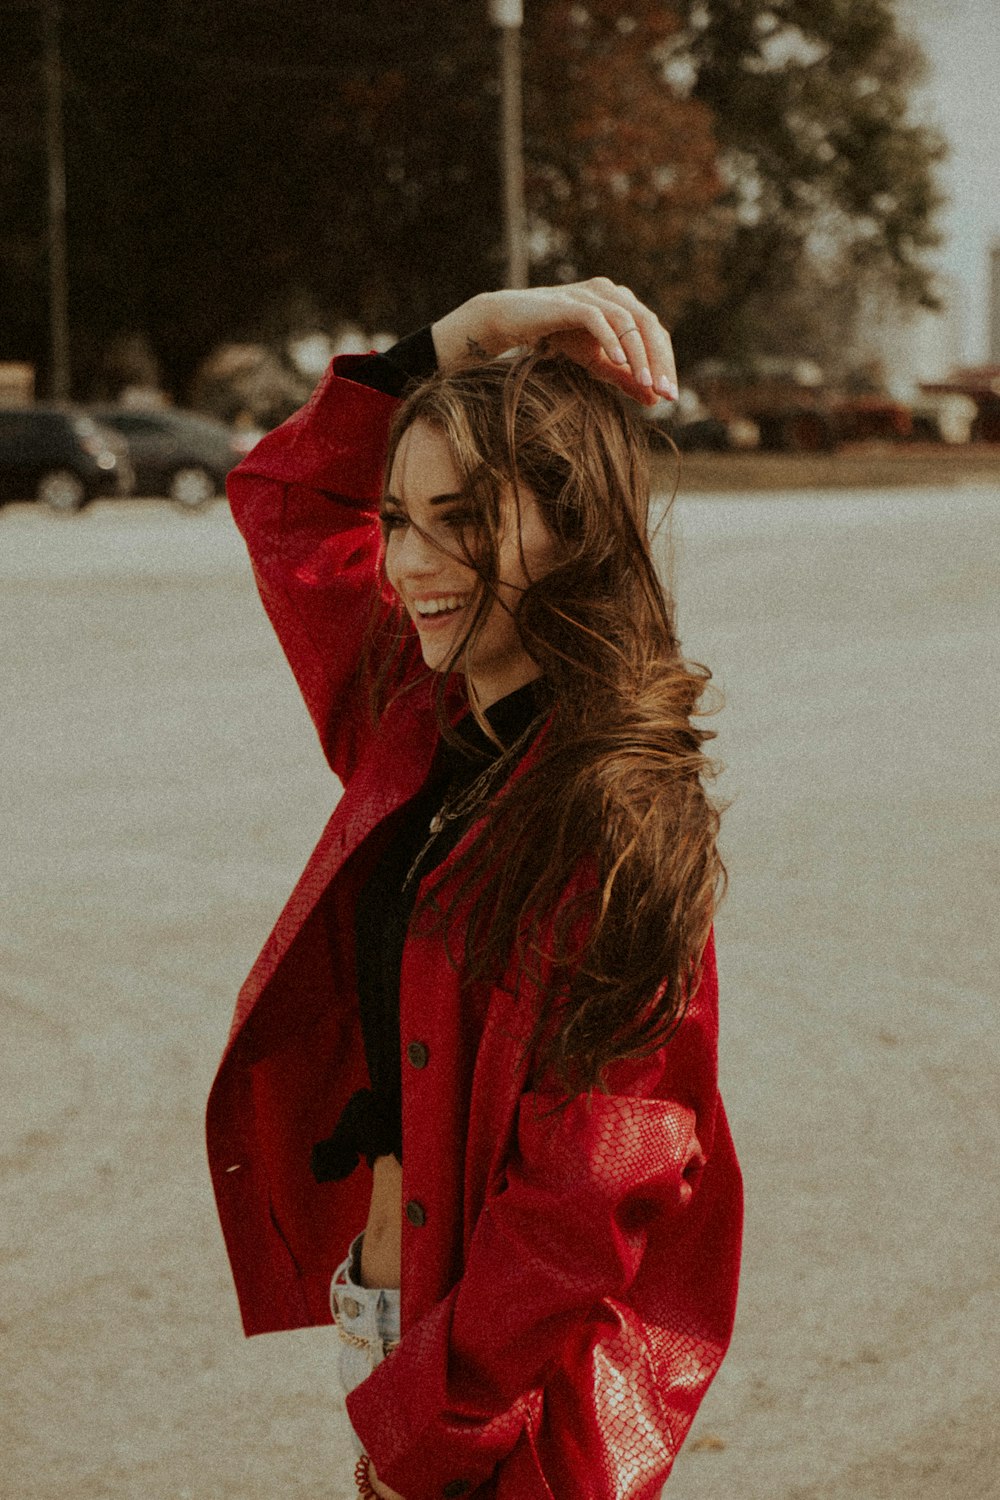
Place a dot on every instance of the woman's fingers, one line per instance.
(597, 322)
(604, 326)
(640, 355)
(646, 342)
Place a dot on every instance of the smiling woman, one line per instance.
(500, 955)
(429, 537)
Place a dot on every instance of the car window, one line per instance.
(133, 423)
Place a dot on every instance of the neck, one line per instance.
(484, 692)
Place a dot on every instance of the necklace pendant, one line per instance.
(436, 823)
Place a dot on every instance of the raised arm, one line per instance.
(306, 501)
(597, 323)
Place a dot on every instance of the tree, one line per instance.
(830, 189)
(621, 170)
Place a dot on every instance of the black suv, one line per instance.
(177, 454)
(60, 456)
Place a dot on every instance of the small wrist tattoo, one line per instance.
(475, 349)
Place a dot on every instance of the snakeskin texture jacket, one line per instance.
(568, 1283)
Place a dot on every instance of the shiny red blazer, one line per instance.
(568, 1284)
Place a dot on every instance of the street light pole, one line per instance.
(507, 16)
(56, 162)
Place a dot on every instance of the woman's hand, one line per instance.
(381, 1489)
(602, 326)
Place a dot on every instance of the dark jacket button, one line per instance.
(418, 1054)
(456, 1487)
(415, 1213)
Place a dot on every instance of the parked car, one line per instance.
(60, 456)
(795, 408)
(180, 455)
(690, 424)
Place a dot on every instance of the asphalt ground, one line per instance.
(162, 790)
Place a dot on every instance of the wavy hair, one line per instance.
(618, 789)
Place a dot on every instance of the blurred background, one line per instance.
(201, 203)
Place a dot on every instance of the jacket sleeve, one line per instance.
(306, 501)
(554, 1250)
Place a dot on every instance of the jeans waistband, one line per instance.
(366, 1317)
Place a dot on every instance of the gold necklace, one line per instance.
(458, 805)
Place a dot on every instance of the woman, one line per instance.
(501, 948)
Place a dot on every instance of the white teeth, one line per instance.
(437, 606)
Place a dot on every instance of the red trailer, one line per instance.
(793, 406)
(982, 384)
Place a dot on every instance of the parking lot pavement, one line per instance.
(163, 789)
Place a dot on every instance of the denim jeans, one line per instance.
(367, 1319)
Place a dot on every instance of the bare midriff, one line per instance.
(381, 1248)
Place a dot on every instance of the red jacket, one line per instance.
(568, 1285)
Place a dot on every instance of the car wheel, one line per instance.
(61, 490)
(191, 487)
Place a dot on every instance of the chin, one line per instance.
(437, 661)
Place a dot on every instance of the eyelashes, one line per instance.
(458, 521)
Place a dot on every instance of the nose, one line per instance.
(416, 554)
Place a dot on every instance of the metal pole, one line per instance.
(507, 16)
(58, 278)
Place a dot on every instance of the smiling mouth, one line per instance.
(439, 609)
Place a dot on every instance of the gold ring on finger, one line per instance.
(633, 329)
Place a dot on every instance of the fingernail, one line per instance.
(664, 386)
(620, 357)
(645, 378)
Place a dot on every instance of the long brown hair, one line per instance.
(618, 784)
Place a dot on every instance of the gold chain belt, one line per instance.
(357, 1342)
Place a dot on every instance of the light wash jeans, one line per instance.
(367, 1319)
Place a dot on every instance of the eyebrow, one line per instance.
(433, 500)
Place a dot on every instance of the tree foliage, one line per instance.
(620, 168)
(239, 172)
(830, 188)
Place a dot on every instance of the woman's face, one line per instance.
(437, 589)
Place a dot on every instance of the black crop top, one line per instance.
(371, 1124)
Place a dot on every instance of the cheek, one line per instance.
(536, 543)
(539, 550)
(390, 566)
